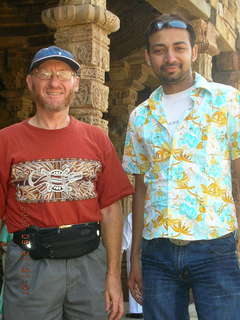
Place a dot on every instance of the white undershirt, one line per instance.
(175, 105)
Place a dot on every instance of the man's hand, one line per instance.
(114, 298)
(111, 228)
(135, 282)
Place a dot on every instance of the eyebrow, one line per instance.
(163, 45)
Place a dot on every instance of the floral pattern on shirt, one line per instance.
(188, 176)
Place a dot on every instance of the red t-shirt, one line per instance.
(57, 177)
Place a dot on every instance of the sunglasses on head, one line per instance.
(172, 24)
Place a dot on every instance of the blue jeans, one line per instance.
(210, 268)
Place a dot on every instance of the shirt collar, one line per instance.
(199, 84)
(154, 103)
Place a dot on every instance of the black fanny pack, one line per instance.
(59, 243)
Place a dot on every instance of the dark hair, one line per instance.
(165, 19)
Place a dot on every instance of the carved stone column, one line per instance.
(206, 39)
(26, 106)
(127, 78)
(82, 28)
(13, 72)
(121, 101)
(228, 68)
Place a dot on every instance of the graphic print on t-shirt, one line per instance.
(55, 180)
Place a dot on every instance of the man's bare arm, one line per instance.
(111, 227)
(135, 277)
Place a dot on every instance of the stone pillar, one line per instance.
(206, 39)
(82, 28)
(26, 106)
(122, 100)
(228, 68)
(13, 72)
(127, 78)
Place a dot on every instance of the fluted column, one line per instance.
(82, 27)
(206, 39)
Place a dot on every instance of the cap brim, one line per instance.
(72, 63)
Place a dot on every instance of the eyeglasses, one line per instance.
(172, 24)
(62, 75)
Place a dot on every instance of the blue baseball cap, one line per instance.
(54, 52)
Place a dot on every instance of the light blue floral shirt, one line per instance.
(188, 175)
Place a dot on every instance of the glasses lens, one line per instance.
(173, 24)
(159, 25)
(43, 75)
(64, 75)
(177, 24)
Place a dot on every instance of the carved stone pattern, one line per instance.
(89, 45)
(70, 15)
(203, 65)
(84, 111)
(101, 3)
(206, 37)
(90, 118)
(112, 22)
(92, 54)
(100, 96)
(123, 96)
(92, 73)
(200, 28)
(14, 78)
(27, 106)
(82, 33)
(93, 95)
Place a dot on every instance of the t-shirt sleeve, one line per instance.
(113, 183)
(234, 125)
(135, 159)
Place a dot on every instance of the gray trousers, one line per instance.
(48, 289)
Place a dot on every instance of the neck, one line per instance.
(52, 122)
(184, 84)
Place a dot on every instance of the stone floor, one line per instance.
(192, 311)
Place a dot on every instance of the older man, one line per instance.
(60, 180)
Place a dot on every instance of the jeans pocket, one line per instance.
(222, 246)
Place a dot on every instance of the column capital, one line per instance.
(101, 3)
(70, 15)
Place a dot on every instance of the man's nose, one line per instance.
(170, 56)
(54, 81)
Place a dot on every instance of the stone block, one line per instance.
(214, 3)
(225, 3)
(227, 37)
(228, 61)
(229, 18)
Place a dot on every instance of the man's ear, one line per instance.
(194, 53)
(29, 82)
(147, 58)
